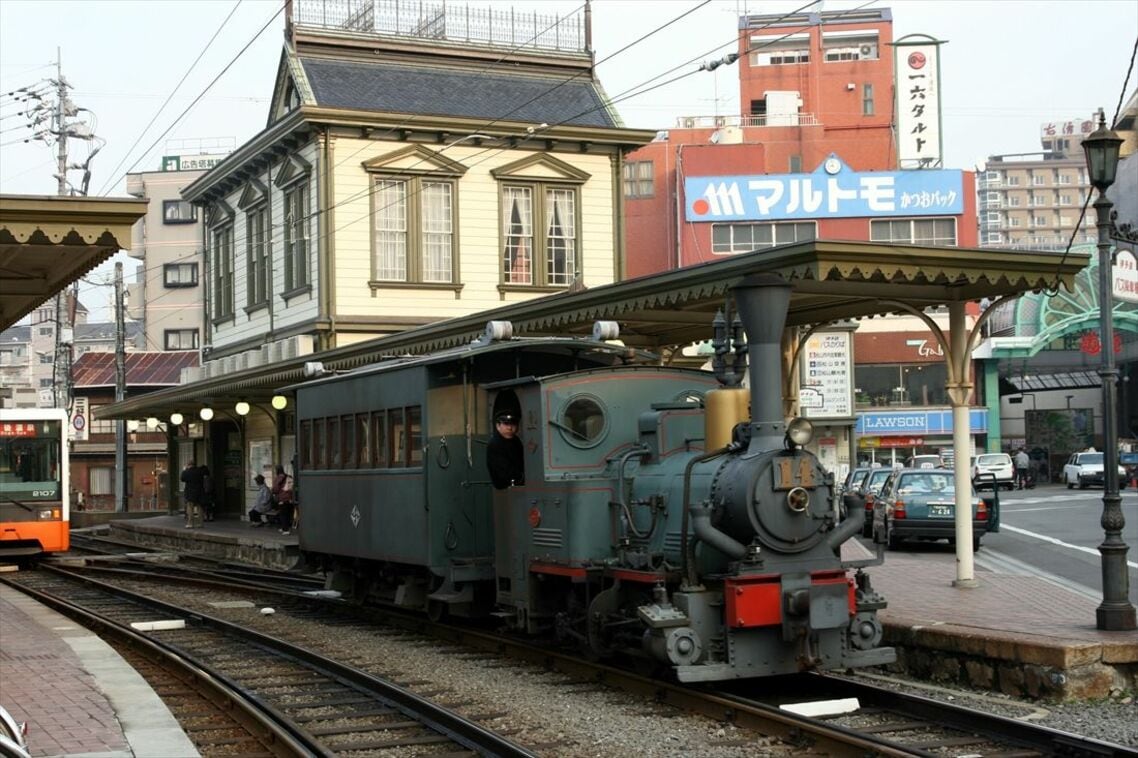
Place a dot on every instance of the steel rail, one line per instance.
(463, 731)
(273, 735)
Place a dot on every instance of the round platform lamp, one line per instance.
(279, 402)
(152, 423)
(1115, 613)
(206, 413)
(242, 408)
(132, 425)
(176, 418)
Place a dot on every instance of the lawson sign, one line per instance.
(834, 193)
(921, 423)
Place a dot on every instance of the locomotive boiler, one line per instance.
(638, 533)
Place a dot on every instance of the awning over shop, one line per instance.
(47, 242)
(662, 312)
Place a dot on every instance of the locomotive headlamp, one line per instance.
(800, 431)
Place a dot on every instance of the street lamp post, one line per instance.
(1115, 613)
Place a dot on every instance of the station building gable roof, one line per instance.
(391, 87)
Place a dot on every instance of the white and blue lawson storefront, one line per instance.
(889, 437)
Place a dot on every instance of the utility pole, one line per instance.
(60, 126)
(61, 189)
(120, 394)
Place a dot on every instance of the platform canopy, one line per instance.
(831, 281)
(48, 241)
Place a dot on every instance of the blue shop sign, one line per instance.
(832, 191)
(931, 422)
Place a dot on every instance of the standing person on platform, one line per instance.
(504, 454)
(1023, 464)
(286, 503)
(208, 502)
(263, 506)
(192, 479)
(279, 479)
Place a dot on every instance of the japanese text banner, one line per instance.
(849, 194)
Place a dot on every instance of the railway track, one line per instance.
(297, 701)
(884, 722)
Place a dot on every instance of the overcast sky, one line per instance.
(1008, 66)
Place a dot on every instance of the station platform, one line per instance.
(1015, 633)
(77, 696)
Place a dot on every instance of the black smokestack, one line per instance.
(762, 301)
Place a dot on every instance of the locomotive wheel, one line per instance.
(604, 605)
(437, 610)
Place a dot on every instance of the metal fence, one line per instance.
(447, 21)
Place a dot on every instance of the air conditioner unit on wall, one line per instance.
(301, 344)
(868, 51)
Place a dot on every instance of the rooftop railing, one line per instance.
(490, 26)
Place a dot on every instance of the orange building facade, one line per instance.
(813, 154)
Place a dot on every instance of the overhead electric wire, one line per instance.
(207, 88)
(157, 113)
(411, 193)
(634, 91)
(627, 94)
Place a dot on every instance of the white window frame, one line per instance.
(896, 224)
(738, 242)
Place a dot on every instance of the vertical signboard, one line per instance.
(80, 419)
(916, 65)
(826, 390)
(1124, 276)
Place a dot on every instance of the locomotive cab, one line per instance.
(585, 436)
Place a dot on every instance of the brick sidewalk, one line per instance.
(43, 683)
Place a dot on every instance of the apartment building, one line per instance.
(1034, 201)
(168, 296)
(31, 369)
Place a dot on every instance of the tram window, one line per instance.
(415, 433)
(319, 451)
(379, 439)
(348, 449)
(396, 439)
(334, 459)
(306, 444)
(363, 452)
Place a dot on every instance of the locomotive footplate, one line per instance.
(581, 573)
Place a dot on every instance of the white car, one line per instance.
(998, 464)
(1085, 469)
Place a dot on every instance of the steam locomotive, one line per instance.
(656, 521)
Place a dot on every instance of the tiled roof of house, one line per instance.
(142, 368)
(430, 90)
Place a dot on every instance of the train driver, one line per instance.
(504, 453)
